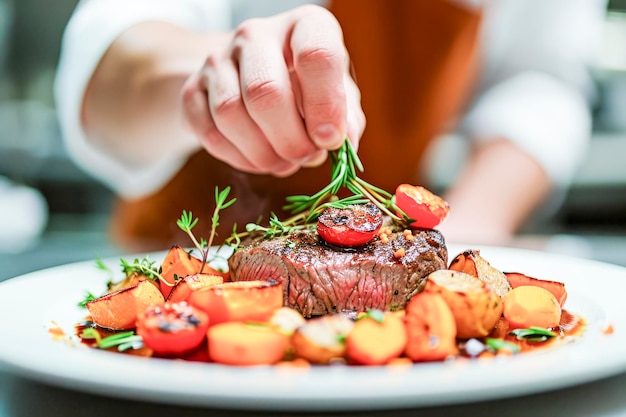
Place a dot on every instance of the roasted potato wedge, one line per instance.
(322, 339)
(472, 263)
(475, 305)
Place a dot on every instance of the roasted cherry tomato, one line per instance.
(427, 209)
(172, 328)
(354, 225)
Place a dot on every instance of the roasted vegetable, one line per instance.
(557, 289)
(475, 306)
(172, 329)
(471, 262)
(353, 225)
(196, 282)
(246, 301)
(118, 310)
(176, 265)
(531, 306)
(245, 344)
(431, 328)
(376, 338)
(322, 339)
(427, 209)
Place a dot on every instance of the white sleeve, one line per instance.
(94, 25)
(536, 90)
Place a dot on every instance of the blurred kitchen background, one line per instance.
(67, 211)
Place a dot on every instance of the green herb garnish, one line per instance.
(345, 165)
(499, 344)
(123, 340)
(141, 266)
(187, 222)
(533, 334)
(88, 297)
(374, 314)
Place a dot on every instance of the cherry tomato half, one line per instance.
(427, 209)
(172, 328)
(354, 225)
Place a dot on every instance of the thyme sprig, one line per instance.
(187, 222)
(143, 266)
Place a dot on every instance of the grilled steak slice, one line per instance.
(321, 279)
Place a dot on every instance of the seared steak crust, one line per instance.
(322, 279)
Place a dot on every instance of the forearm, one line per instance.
(131, 108)
(498, 190)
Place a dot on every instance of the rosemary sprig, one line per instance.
(345, 165)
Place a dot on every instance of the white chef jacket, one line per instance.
(534, 89)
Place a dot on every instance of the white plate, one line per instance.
(30, 303)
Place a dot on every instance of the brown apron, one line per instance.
(415, 63)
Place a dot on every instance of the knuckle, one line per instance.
(228, 108)
(320, 58)
(263, 93)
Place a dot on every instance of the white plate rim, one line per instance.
(37, 298)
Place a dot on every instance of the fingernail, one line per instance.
(326, 135)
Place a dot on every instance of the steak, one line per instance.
(320, 279)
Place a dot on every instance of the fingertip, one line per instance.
(327, 136)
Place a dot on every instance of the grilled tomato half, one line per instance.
(171, 329)
(354, 225)
(426, 209)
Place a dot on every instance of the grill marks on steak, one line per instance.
(321, 279)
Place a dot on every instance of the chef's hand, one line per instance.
(277, 96)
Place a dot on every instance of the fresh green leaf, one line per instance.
(533, 334)
(88, 297)
(499, 344)
(123, 340)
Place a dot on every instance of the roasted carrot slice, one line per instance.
(239, 301)
(118, 310)
(517, 279)
(237, 343)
